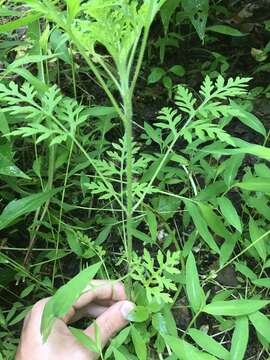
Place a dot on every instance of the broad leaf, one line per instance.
(186, 351)
(263, 282)
(225, 30)
(261, 324)
(138, 314)
(201, 226)
(65, 297)
(139, 344)
(208, 344)
(8, 168)
(85, 340)
(228, 211)
(194, 290)
(255, 233)
(197, 11)
(26, 205)
(235, 307)
(239, 339)
(255, 184)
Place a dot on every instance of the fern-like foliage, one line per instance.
(185, 100)
(114, 24)
(204, 115)
(169, 119)
(205, 131)
(114, 166)
(154, 277)
(211, 91)
(38, 109)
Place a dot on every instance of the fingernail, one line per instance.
(126, 308)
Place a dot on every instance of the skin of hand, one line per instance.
(106, 301)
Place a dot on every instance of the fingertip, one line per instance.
(126, 309)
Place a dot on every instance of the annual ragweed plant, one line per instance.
(169, 188)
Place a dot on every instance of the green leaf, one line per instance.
(27, 291)
(260, 204)
(15, 24)
(263, 282)
(7, 12)
(178, 70)
(40, 86)
(19, 317)
(244, 148)
(83, 339)
(142, 236)
(100, 111)
(139, 344)
(152, 223)
(166, 13)
(227, 248)
(65, 297)
(159, 323)
(139, 314)
(73, 8)
(208, 344)
(249, 119)
(214, 221)
(228, 211)
(255, 233)
(201, 226)
(261, 324)
(239, 339)
(25, 60)
(255, 184)
(167, 82)
(118, 355)
(234, 307)
(225, 30)
(4, 126)
(197, 11)
(117, 341)
(26, 205)
(8, 168)
(184, 350)
(170, 320)
(249, 148)
(156, 74)
(194, 290)
(232, 166)
(246, 271)
(73, 242)
(102, 236)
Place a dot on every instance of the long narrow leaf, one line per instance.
(239, 339)
(17, 208)
(195, 292)
(65, 297)
(235, 307)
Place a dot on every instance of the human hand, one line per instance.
(106, 302)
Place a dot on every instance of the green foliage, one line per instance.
(65, 297)
(168, 200)
(155, 278)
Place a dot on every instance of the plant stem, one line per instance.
(142, 49)
(129, 165)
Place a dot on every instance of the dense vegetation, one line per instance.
(134, 147)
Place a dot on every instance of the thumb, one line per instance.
(111, 321)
